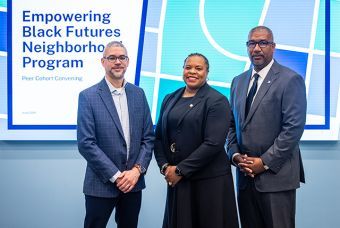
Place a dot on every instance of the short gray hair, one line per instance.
(262, 27)
(115, 44)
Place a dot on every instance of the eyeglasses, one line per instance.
(112, 58)
(261, 43)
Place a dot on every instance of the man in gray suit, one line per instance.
(115, 136)
(269, 113)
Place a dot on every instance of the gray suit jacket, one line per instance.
(272, 129)
(101, 141)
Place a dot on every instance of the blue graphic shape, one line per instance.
(316, 87)
(3, 3)
(183, 35)
(3, 85)
(166, 86)
(149, 83)
(315, 97)
(334, 84)
(291, 18)
(230, 30)
(3, 31)
(295, 60)
(320, 29)
(154, 12)
(223, 90)
(334, 27)
(149, 52)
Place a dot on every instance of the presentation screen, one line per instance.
(51, 50)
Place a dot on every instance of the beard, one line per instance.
(116, 75)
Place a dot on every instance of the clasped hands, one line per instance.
(170, 176)
(128, 179)
(250, 166)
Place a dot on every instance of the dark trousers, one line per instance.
(206, 203)
(99, 210)
(266, 209)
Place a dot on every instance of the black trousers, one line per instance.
(99, 210)
(266, 209)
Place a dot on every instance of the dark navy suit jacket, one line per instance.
(101, 141)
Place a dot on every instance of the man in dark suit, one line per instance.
(115, 136)
(269, 113)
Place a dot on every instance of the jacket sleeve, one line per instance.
(293, 113)
(148, 137)
(87, 142)
(232, 144)
(159, 152)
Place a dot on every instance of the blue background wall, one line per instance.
(41, 186)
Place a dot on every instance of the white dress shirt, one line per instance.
(262, 75)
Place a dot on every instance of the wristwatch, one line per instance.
(178, 172)
(141, 169)
(163, 168)
(266, 167)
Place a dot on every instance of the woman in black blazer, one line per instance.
(189, 149)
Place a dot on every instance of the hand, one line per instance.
(254, 164)
(128, 179)
(171, 177)
(243, 164)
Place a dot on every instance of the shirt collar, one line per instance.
(115, 90)
(263, 73)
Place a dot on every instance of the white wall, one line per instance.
(41, 186)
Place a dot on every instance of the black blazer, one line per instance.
(201, 134)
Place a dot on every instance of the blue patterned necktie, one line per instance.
(251, 93)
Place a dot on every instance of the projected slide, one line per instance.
(54, 52)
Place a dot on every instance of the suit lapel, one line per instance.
(266, 84)
(106, 97)
(242, 93)
(172, 101)
(197, 99)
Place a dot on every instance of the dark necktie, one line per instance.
(251, 93)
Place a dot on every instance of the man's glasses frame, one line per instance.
(261, 43)
(113, 58)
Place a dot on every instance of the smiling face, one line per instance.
(261, 57)
(114, 70)
(195, 72)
